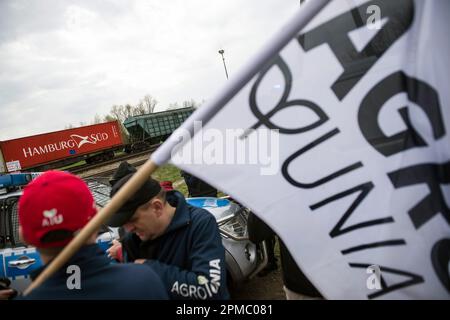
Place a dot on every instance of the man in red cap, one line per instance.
(51, 210)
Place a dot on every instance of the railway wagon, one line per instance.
(150, 129)
(55, 149)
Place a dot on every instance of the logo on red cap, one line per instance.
(50, 218)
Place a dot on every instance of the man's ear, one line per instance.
(158, 206)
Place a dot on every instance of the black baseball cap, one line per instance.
(123, 169)
(146, 192)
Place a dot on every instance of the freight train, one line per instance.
(94, 143)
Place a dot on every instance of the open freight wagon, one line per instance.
(153, 128)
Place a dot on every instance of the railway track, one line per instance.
(105, 174)
(88, 167)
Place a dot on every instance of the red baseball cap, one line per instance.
(53, 207)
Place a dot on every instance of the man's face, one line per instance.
(149, 220)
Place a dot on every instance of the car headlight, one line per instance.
(235, 226)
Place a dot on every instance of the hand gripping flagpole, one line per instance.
(162, 155)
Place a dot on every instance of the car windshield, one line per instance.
(100, 191)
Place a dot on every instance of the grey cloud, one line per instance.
(62, 62)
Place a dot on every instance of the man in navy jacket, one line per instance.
(181, 243)
(54, 207)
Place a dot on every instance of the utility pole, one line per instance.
(221, 51)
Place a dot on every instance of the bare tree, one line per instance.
(123, 112)
(116, 112)
(149, 103)
(128, 110)
(139, 109)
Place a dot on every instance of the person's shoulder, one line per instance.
(203, 221)
(196, 214)
(200, 214)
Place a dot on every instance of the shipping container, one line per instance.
(30, 152)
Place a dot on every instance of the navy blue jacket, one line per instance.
(189, 256)
(100, 279)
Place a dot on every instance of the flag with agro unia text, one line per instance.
(355, 177)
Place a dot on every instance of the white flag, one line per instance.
(357, 178)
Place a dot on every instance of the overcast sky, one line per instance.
(63, 62)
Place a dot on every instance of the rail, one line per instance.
(88, 167)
